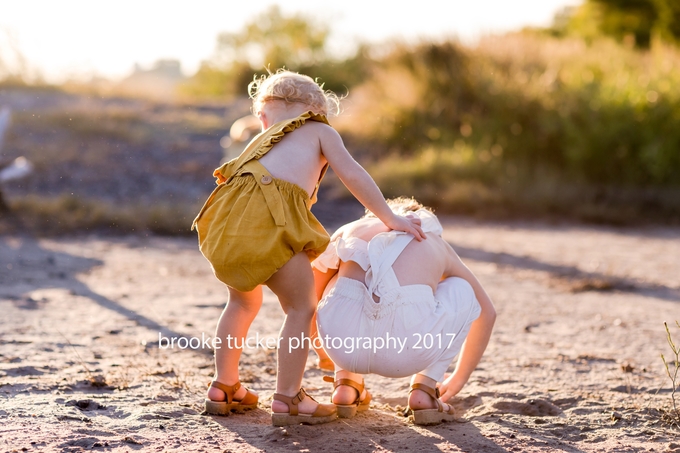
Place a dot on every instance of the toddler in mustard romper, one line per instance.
(253, 223)
(256, 229)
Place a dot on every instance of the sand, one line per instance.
(573, 364)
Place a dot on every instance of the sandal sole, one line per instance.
(350, 410)
(221, 408)
(431, 417)
(287, 419)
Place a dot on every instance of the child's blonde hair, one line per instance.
(401, 206)
(291, 87)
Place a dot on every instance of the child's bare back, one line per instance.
(298, 157)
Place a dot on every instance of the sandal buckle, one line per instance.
(297, 399)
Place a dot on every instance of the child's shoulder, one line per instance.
(318, 124)
(318, 129)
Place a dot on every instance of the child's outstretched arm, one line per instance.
(480, 330)
(362, 186)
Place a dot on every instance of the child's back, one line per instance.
(298, 157)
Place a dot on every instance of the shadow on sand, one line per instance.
(367, 432)
(26, 266)
(584, 281)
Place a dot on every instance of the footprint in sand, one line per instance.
(86, 405)
(533, 408)
(23, 371)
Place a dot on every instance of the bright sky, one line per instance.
(82, 38)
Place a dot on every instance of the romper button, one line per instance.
(266, 179)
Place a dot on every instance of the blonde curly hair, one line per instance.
(400, 206)
(291, 87)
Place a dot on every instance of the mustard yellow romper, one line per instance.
(253, 223)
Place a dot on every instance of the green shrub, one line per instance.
(600, 114)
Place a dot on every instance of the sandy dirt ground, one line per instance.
(573, 364)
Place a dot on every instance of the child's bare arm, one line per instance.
(362, 186)
(480, 330)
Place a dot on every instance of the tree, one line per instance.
(273, 40)
(641, 20)
(623, 18)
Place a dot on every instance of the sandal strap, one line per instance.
(349, 382)
(355, 385)
(293, 401)
(229, 390)
(433, 392)
(338, 382)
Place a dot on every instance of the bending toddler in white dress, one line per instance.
(371, 323)
(410, 330)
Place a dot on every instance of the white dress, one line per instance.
(411, 330)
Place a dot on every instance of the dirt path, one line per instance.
(573, 364)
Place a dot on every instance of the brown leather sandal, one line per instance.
(324, 413)
(227, 405)
(359, 405)
(430, 416)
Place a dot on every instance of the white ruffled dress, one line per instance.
(411, 330)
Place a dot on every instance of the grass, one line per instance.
(459, 181)
(119, 125)
(672, 417)
(113, 165)
(67, 214)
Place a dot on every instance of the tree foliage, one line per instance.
(273, 40)
(636, 21)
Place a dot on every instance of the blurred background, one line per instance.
(113, 115)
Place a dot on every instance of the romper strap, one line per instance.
(312, 197)
(271, 193)
(383, 251)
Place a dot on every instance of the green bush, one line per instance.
(601, 114)
(525, 123)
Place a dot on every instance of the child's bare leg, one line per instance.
(234, 323)
(418, 399)
(294, 286)
(344, 394)
(321, 281)
(324, 362)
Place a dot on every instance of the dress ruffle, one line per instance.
(287, 126)
(351, 249)
(356, 249)
(263, 142)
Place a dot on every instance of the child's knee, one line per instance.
(302, 311)
(250, 301)
(303, 304)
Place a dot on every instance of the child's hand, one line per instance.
(450, 387)
(409, 224)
